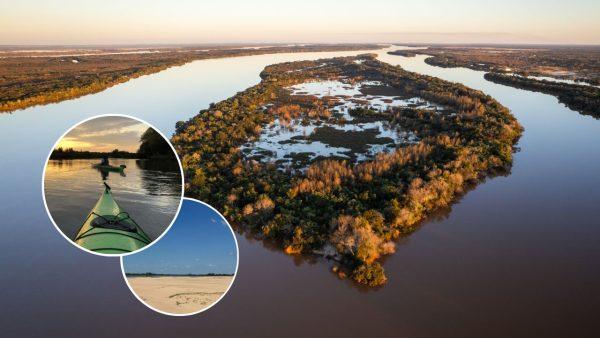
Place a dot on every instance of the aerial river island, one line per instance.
(341, 157)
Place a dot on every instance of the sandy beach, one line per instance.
(180, 295)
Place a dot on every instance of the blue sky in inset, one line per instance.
(199, 242)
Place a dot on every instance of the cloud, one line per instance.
(105, 134)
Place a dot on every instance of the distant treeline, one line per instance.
(150, 274)
(152, 146)
(581, 98)
(577, 63)
(30, 81)
(70, 153)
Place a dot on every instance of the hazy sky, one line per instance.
(199, 242)
(105, 134)
(194, 21)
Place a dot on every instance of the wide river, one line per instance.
(517, 256)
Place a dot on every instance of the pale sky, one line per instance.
(105, 134)
(280, 21)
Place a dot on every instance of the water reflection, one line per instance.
(157, 176)
(518, 256)
(105, 173)
(150, 196)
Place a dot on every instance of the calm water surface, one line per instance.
(147, 192)
(518, 256)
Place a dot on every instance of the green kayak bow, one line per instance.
(110, 230)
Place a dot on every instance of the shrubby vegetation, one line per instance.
(572, 63)
(404, 52)
(356, 209)
(578, 63)
(29, 81)
(584, 99)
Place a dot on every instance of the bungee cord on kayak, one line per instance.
(112, 222)
(110, 230)
(129, 154)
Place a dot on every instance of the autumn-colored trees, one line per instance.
(28, 81)
(358, 209)
(512, 67)
(582, 98)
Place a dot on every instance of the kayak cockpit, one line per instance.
(110, 230)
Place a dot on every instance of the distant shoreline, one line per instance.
(177, 275)
(33, 81)
(70, 154)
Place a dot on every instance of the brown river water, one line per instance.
(518, 256)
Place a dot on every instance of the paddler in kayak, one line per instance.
(104, 165)
(104, 160)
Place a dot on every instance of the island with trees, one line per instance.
(341, 157)
(571, 73)
(404, 52)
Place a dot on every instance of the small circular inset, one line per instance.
(112, 185)
(191, 268)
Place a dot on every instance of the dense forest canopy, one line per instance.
(349, 210)
(153, 145)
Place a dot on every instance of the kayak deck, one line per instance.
(110, 230)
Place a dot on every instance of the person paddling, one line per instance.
(104, 160)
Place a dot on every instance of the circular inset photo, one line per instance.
(191, 268)
(112, 185)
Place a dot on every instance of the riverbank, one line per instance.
(441, 136)
(570, 74)
(30, 81)
(502, 262)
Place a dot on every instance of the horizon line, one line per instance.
(218, 44)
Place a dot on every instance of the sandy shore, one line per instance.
(180, 294)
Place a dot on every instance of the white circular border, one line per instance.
(237, 265)
(44, 190)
